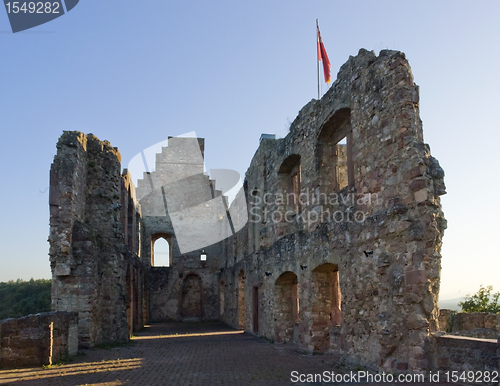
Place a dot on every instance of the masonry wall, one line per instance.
(188, 292)
(457, 353)
(482, 325)
(38, 340)
(387, 259)
(178, 191)
(94, 253)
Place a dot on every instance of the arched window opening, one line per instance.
(161, 253)
(286, 311)
(326, 305)
(334, 148)
(289, 177)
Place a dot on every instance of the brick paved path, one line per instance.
(205, 354)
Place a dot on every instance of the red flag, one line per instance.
(323, 57)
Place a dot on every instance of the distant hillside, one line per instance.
(19, 298)
(451, 304)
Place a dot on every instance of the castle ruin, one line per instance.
(340, 251)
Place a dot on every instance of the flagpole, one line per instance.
(317, 58)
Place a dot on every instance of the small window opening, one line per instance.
(295, 188)
(289, 175)
(341, 167)
(344, 169)
(161, 254)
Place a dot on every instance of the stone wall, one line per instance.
(456, 353)
(476, 324)
(38, 340)
(183, 293)
(94, 249)
(188, 289)
(380, 235)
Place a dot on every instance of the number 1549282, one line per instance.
(32, 7)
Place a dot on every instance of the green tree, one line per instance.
(20, 298)
(483, 300)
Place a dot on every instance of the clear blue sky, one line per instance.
(134, 72)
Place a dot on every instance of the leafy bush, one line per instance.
(20, 298)
(482, 301)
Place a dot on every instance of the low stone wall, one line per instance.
(38, 340)
(457, 353)
(482, 325)
(475, 321)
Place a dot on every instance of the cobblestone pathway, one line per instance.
(182, 354)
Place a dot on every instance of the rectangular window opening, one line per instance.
(344, 169)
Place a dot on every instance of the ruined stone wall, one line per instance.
(90, 203)
(188, 289)
(136, 268)
(456, 353)
(38, 340)
(381, 234)
(475, 324)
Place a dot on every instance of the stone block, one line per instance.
(421, 195)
